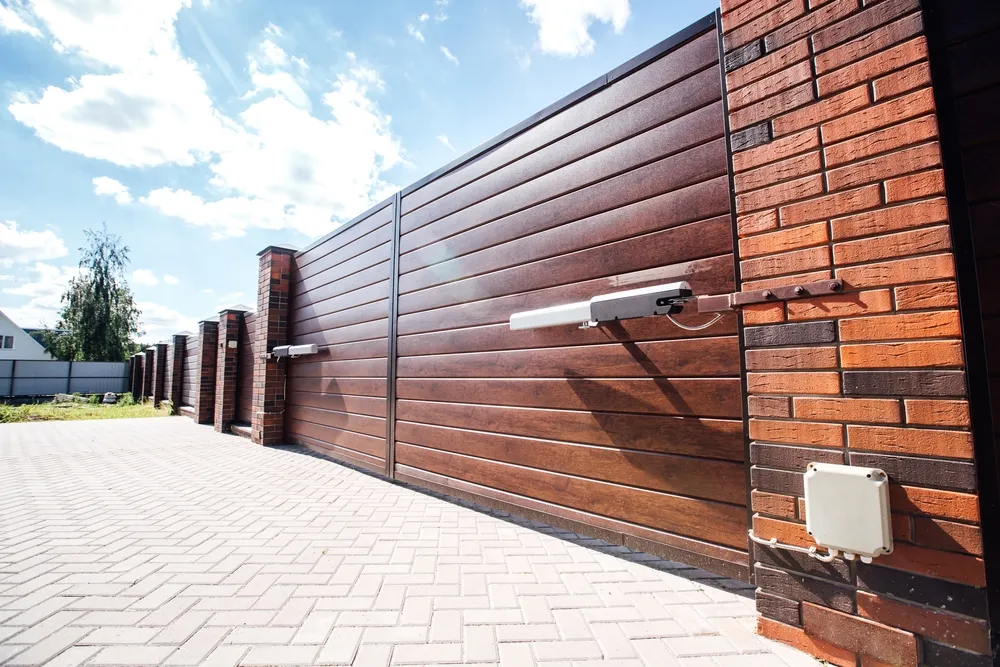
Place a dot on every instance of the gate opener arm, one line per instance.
(668, 300)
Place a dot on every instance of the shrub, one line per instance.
(126, 399)
(95, 399)
(10, 414)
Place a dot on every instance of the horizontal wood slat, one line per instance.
(679, 358)
(668, 396)
(716, 522)
(698, 478)
(336, 399)
(678, 64)
(703, 438)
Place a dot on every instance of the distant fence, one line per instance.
(44, 378)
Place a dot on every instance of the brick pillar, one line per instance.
(226, 368)
(273, 299)
(137, 375)
(159, 372)
(204, 400)
(837, 173)
(176, 371)
(148, 359)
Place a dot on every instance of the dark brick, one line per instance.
(790, 334)
(776, 481)
(744, 54)
(838, 571)
(904, 383)
(939, 655)
(778, 608)
(791, 458)
(748, 137)
(805, 589)
(936, 593)
(921, 471)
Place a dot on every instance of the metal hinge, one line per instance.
(723, 302)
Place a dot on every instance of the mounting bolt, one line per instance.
(799, 290)
(766, 294)
(836, 286)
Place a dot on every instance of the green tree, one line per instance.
(98, 309)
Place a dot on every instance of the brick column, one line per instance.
(159, 372)
(137, 375)
(148, 359)
(227, 362)
(176, 371)
(273, 300)
(208, 343)
(837, 173)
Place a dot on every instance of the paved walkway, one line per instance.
(159, 542)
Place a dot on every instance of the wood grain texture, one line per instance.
(698, 139)
(359, 246)
(631, 429)
(308, 306)
(363, 227)
(715, 522)
(697, 240)
(651, 215)
(365, 260)
(703, 438)
(689, 58)
(500, 337)
(683, 475)
(363, 424)
(667, 396)
(338, 386)
(707, 276)
(678, 101)
(678, 358)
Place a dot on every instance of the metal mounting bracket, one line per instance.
(723, 302)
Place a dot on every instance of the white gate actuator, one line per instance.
(666, 299)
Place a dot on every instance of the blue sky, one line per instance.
(202, 131)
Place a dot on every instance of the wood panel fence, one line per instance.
(634, 429)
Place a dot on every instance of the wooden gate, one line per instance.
(632, 431)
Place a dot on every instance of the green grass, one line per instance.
(10, 414)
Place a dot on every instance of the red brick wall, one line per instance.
(273, 299)
(837, 171)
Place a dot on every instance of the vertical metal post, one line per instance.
(13, 372)
(69, 377)
(390, 387)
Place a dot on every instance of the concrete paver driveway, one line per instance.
(149, 542)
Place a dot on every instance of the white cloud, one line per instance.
(424, 17)
(12, 20)
(145, 277)
(158, 322)
(43, 287)
(443, 138)
(171, 280)
(414, 33)
(143, 103)
(564, 25)
(267, 74)
(448, 54)
(112, 188)
(23, 246)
